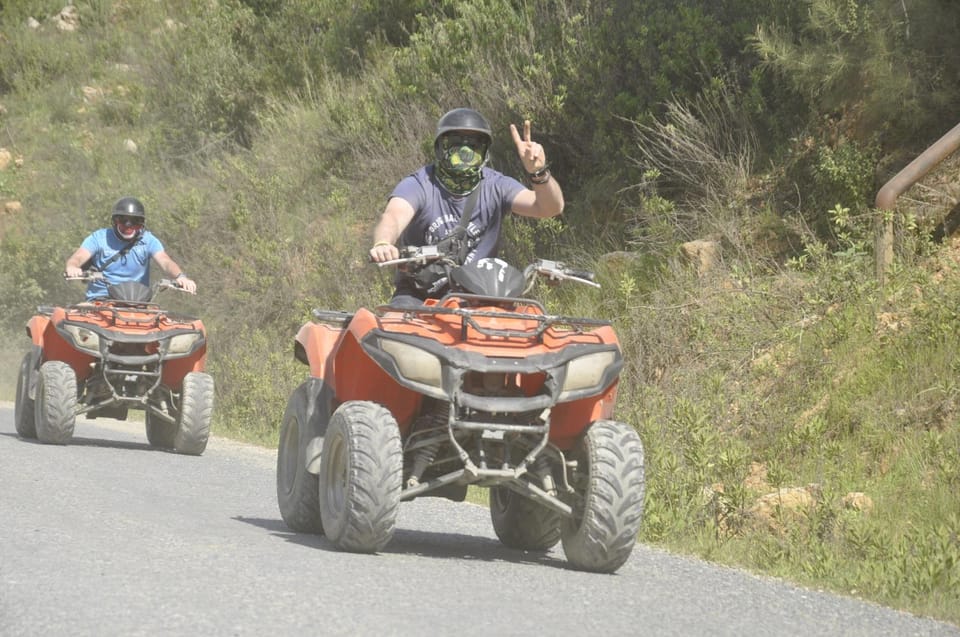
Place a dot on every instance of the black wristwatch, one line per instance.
(542, 176)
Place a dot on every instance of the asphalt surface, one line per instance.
(106, 536)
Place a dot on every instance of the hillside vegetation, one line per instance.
(800, 419)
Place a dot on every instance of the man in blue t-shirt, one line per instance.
(123, 252)
(427, 206)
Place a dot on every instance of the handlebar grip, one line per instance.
(85, 275)
(581, 274)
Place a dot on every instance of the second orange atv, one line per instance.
(105, 357)
(481, 387)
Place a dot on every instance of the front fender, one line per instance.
(314, 345)
(32, 366)
(36, 328)
(315, 398)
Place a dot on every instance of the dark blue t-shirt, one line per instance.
(437, 213)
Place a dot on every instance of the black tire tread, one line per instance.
(299, 501)
(372, 493)
(196, 413)
(56, 407)
(160, 433)
(521, 523)
(24, 408)
(602, 536)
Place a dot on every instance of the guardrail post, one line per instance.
(887, 197)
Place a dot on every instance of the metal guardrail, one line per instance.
(891, 191)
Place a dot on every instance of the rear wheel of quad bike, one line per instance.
(160, 433)
(196, 411)
(56, 403)
(23, 410)
(521, 523)
(360, 477)
(298, 490)
(609, 485)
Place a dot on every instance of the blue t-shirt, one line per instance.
(132, 266)
(437, 213)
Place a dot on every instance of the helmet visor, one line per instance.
(463, 153)
(126, 226)
(471, 148)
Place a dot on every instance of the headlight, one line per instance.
(414, 363)
(183, 343)
(87, 340)
(587, 371)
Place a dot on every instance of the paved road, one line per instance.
(106, 536)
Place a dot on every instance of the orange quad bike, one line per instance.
(482, 387)
(105, 357)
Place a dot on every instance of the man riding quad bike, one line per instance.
(107, 356)
(480, 387)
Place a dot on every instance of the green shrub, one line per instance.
(203, 87)
(32, 58)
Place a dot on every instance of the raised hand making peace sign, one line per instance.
(531, 153)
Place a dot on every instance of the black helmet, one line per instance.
(129, 207)
(128, 216)
(461, 148)
(463, 119)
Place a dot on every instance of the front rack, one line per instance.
(468, 317)
(123, 315)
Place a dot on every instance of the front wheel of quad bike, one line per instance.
(298, 490)
(160, 433)
(196, 411)
(23, 410)
(56, 403)
(521, 523)
(360, 477)
(609, 485)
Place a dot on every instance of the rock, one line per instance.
(703, 254)
(91, 94)
(858, 501)
(68, 19)
(773, 510)
(616, 264)
(757, 480)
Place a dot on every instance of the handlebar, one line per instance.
(96, 275)
(87, 276)
(556, 271)
(553, 271)
(582, 274)
(173, 284)
(418, 255)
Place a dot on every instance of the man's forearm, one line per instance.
(549, 198)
